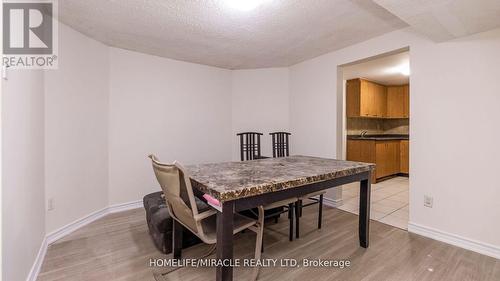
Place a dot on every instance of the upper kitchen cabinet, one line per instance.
(398, 101)
(366, 99)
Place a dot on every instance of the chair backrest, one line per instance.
(280, 144)
(249, 145)
(179, 195)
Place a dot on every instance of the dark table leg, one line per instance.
(177, 239)
(225, 241)
(297, 221)
(320, 211)
(364, 212)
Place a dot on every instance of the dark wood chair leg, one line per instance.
(177, 239)
(297, 219)
(290, 218)
(276, 219)
(320, 211)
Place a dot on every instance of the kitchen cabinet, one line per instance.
(362, 151)
(404, 157)
(398, 101)
(368, 99)
(387, 158)
(365, 99)
(390, 156)
(406, 101)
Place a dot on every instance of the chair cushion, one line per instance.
(160, 223)
(157, 211)
(152, 203)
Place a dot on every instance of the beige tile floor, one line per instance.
(389, 201)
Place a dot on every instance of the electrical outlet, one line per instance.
(4, 72)
(50, 204)
(428, 201)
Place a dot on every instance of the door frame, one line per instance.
(341, 126)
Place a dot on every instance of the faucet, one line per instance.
(363, 133)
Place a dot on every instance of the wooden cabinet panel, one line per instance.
(380, 151)
(393, 157)
(353, 102)
(398, 101)
(365, 99)
(395, 102)
(387, 158)
(362, 151)
(380, 100)
(406, 101)
(404, 157)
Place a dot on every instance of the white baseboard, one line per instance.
(73, 226)
(332, 202)
(37, 265)
(125, 206)
(456, 240)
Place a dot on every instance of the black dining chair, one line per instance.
(281, 148)
(249, 145)
(250, 150)
(280, 144)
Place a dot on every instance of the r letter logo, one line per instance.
(28, 34)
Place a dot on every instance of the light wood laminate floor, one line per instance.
(118, 247)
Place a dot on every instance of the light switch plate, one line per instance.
(428, 201)
(50, 204)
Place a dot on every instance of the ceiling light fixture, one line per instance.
(402, 69)
(244, 5)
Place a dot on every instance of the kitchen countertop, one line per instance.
(234, 180)
(378, 137)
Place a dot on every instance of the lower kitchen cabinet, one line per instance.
(390, 156)
(387, 158)
(363, 151)
(404, 149)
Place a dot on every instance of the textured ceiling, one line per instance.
(277, 33)
(442, 20)
(383, 70)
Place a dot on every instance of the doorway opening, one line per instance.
(374, 127)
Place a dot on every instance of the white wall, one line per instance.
(454, 88)
(455, 104)
(177, 110)
(313, 107)
(76, 114)
(260, 103)
(23, 211)
(142, 99)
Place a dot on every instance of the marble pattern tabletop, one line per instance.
(234, 180)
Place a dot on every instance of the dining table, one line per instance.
(245, 185)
